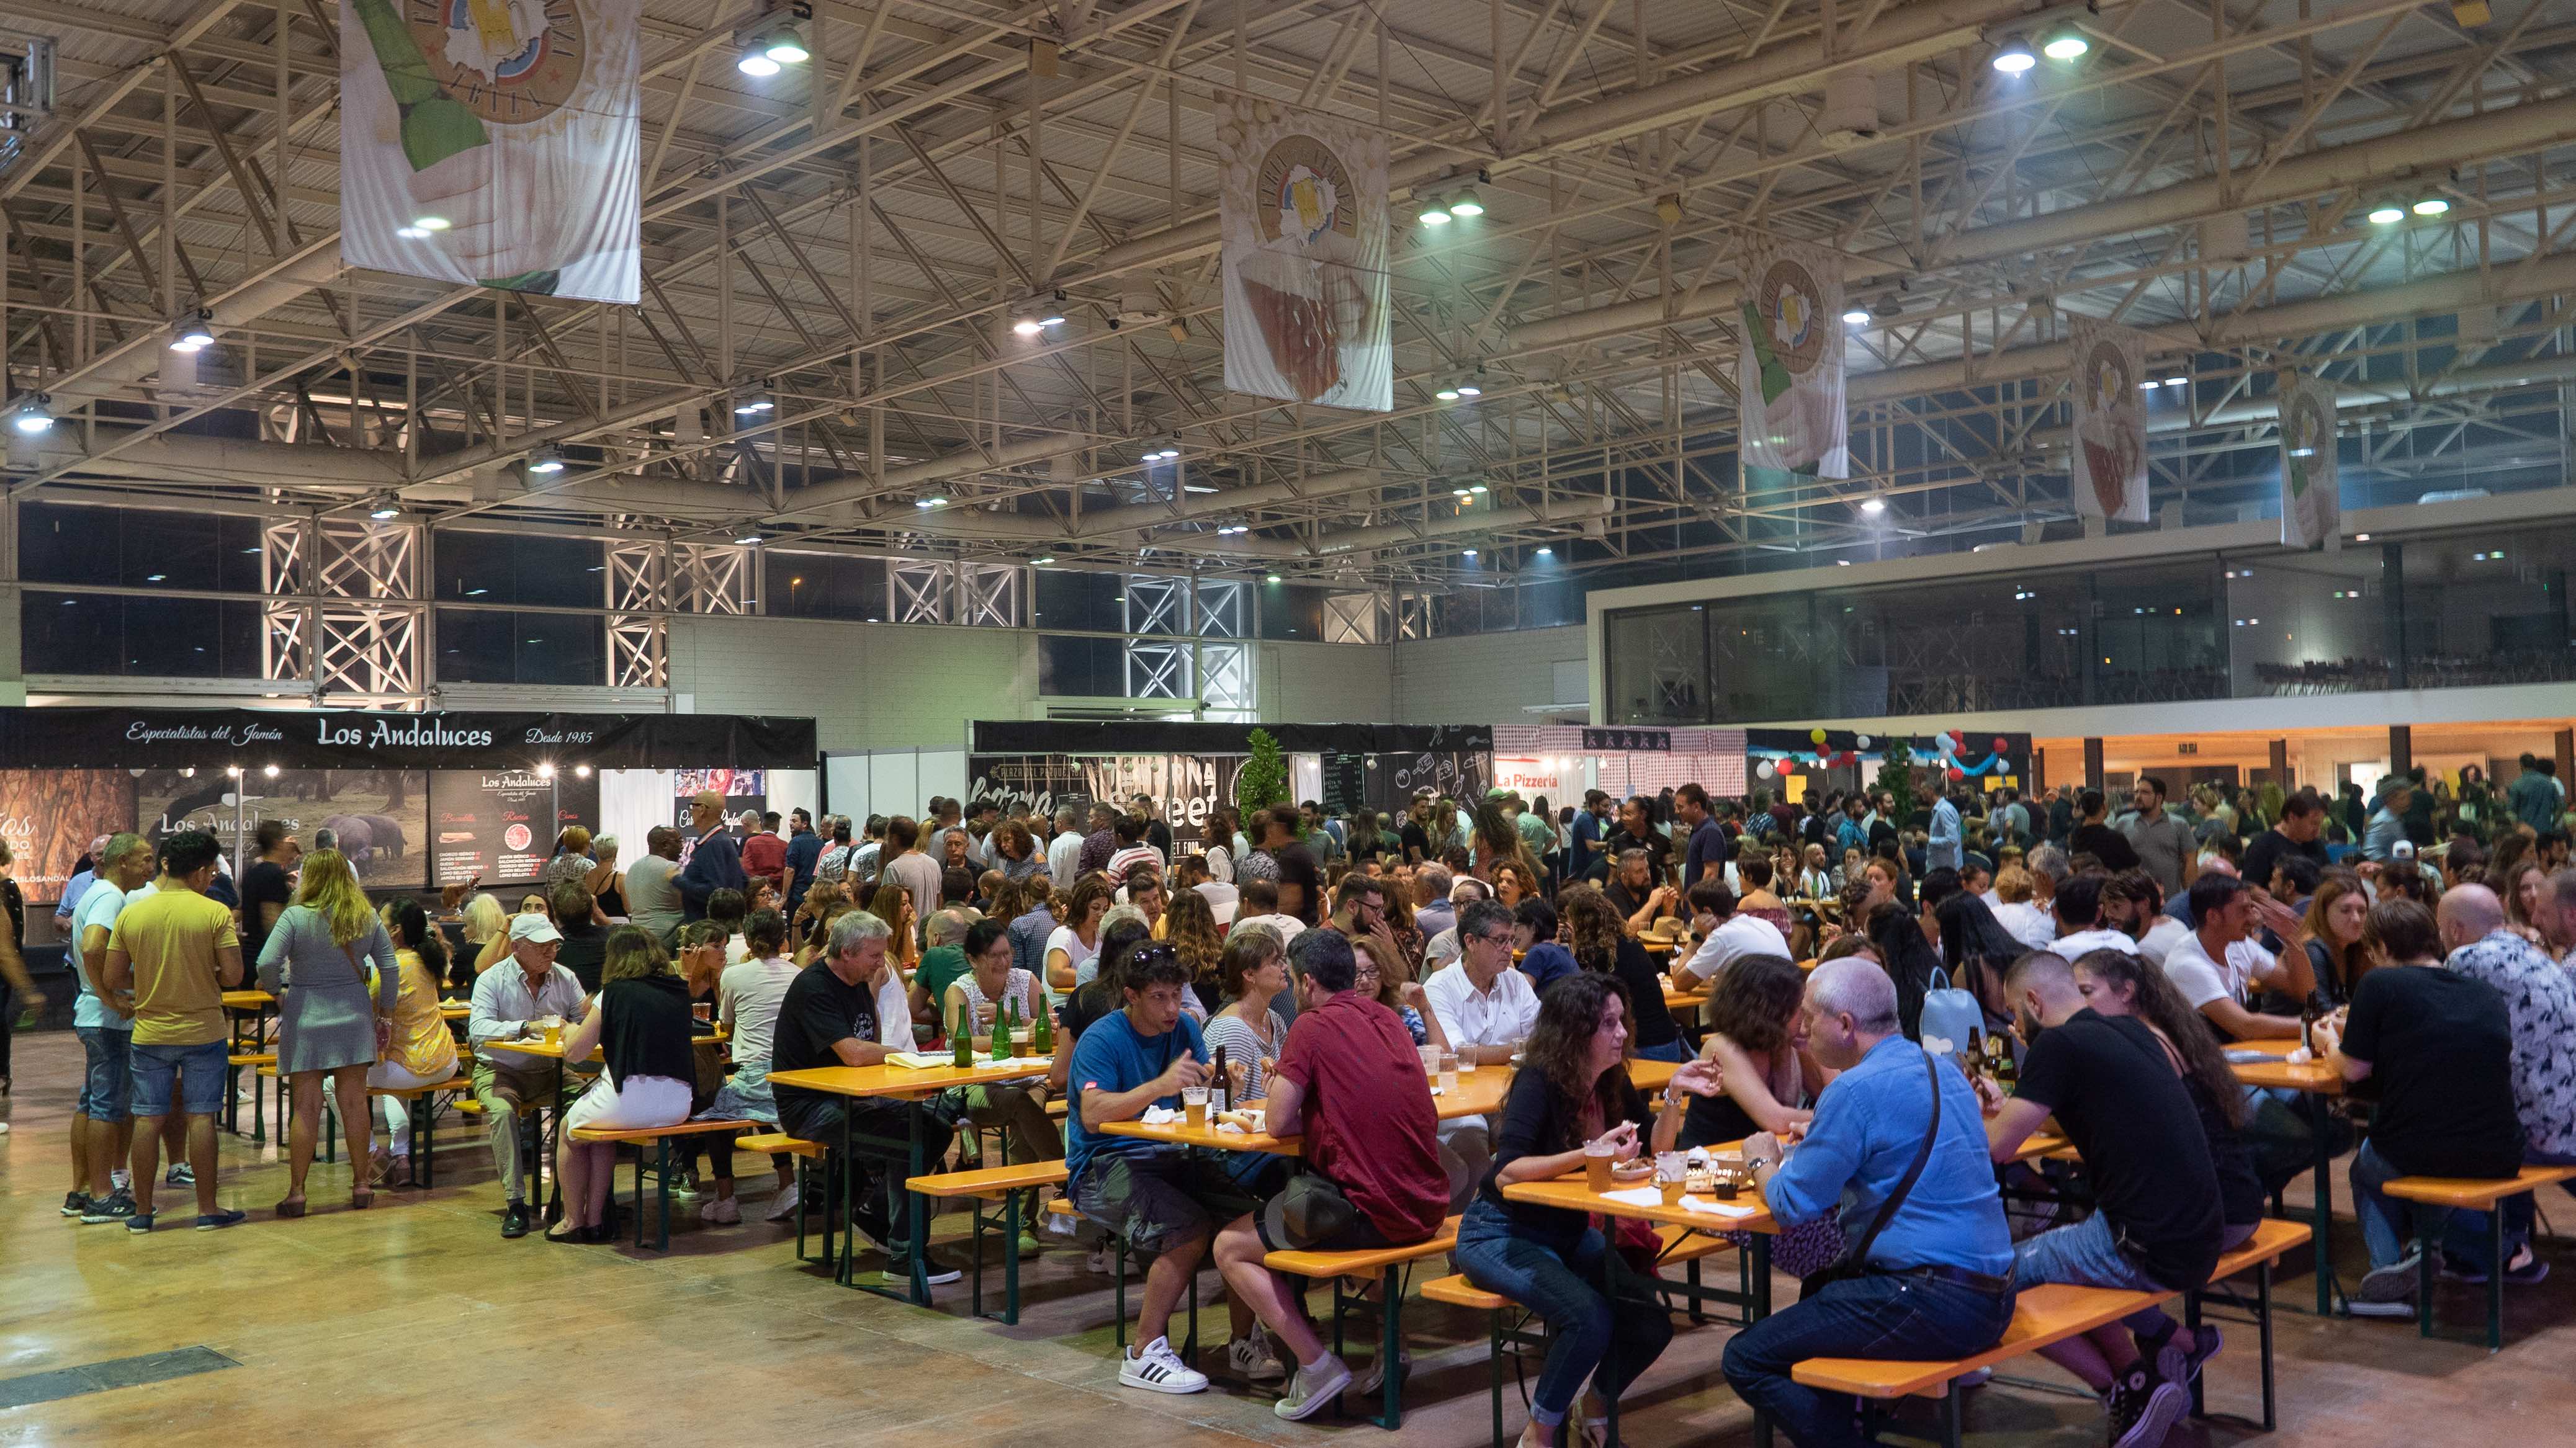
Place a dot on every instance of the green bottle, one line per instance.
(1002, 1031)
(1775, 375)
(1042, 1035)
(961, 1037)
(434, 124)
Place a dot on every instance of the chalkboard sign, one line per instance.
(1345, 782)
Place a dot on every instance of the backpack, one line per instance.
(1949, 1013)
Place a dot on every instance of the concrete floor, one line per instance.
(415, 1317)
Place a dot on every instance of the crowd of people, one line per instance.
(1844, 951)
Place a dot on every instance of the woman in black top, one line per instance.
(1573, 1088)
(1601, 943)
(1754, 1041)
(641, 1027)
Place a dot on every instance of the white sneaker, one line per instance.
(120, 1180)
(782, 1207)
(1099, 1261)
(1313, 1389)
(1254, 1359)
(719, 1210)
(1157, 1369)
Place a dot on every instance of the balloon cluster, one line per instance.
(1949, 744)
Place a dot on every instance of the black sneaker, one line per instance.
(75, 1203)
(514, 1222)
(2155, 1404)
(115, 1207)
(2180, 1357)
(2122, 1404)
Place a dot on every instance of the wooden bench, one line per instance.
(424, 1120)
(2468, 1194)
(779, 1143)
(1678, 1245)
(1380, 1264)
(1002, 1184)
(233, 1065)
(661, 1137)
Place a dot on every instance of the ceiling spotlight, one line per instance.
(1028, 326)
(1432, 212)
(1158, 450)
(1480, 489)
(774, 41)
(2431, 206)
(1446, 392)
(1466, 552)
(1270, 578)
(1465, 203)
(1230, 529)
(2013, 56)
(754, 403)
(1873, 506)
(756, 63)
(2177, 382)
(1461, 493)
(2387, 213)
(2149, 385)
(930, 500)
(546, 459)
(431, 223)
(1467, 388)
(1546, 552)
(385, 506)
(1856, 317)
(787, 45)
(31, 416)
(1887, 306)
(2066, 44)
(1042, 560)
(193, 332)
(746, 540)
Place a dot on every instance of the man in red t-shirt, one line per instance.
(1350, 1081)
(764, 854)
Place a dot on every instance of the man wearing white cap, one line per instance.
(511, 1003)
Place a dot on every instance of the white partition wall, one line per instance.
(631, 803)
(862, 782)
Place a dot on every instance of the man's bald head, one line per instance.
(2468, 913)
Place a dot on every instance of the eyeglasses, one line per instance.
(1155, 952)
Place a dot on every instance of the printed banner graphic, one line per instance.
(493, 142)
(2311, 503)
(1303, 220)
(2109, 472)
(1791, 369)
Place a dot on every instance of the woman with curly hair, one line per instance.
(1514, 883)
(1572, 1090)
(1072, 952)
(1754, 1039)
(1189, 923)
(893, 905)
(1601, 943)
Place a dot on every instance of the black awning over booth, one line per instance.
(114, 738)
(1084, 736)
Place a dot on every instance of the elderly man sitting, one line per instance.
(512, 1004)
(830, 1018)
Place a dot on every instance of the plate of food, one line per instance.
(1631, 1172)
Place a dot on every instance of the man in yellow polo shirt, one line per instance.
(176, 950)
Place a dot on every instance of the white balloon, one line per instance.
(1860, 741)
(1765, 769)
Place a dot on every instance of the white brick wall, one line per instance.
(1481, 678)
(868, 686)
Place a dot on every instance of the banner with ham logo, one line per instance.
(1302, 217)
(1791, 369)
(2109, 471)
(2311, 500)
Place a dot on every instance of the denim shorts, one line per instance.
(2084, 1254)
(198, 1069)
(107, 1091)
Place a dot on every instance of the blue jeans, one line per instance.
(107, 1088)
(197, 1070)
(1588, 1334)
(1675, 1050)
(2465, 1235)
(1878, 1316)
(2087, 1254)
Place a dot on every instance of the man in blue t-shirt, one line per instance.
(1163, 1200)
(102, 1119)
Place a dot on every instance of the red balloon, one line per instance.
(1957, 774)
(2000, 744)
(1959, 737)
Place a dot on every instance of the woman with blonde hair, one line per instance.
(421, 1051)
(605, 882)
(571, 859)
(316, 964)
(487, 930)
(1189, 923)
(641, 1029)
(2338, 938)
(893, 905)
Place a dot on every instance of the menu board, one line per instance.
(501, 825)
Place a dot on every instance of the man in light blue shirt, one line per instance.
(102, 1120)
(1939, 1281)
(2388, 825)
(1946, 843)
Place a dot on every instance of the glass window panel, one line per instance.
(1082, 667)
(1550, 602)
(1089, 602)
(1292, 611)
(1658, 666)
(62, 633)
(521, 568)
(1996, 642)
(2489, 608)
(823, 585)
(138, 548)
(2307, 623)
(2159, 633)
(480, 646)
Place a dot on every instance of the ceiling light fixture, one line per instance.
(930, 500)
(754, 403)
(2431, 206)
(746, 540)
(1466, 552)
(2013, 57)
(2387, 213)
(193, 332)
(1856, 317)
(31, 416)
(1042, 560)
(1432, 212)
(1270, 578)
(2177, 382)
(1465, 203)
(1158, 449)
(2065, 44)
(385, 506)
(774, 41)
(1446, 392)
(1873, 506)
(547, 459)
(1668, 208)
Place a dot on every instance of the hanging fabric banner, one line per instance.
(2109, 469)
(2311, 503)
(1791, 368)
(493, 142)
(1302, 215)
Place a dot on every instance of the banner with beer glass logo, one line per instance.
(1302, 217)
(493, 142)
(2109, 470)
(2311, 503)
(1791, 369)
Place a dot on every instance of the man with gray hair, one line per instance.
(1486, 1009)
(1064, 851)
(1937, 1271)
(653, 885)
(102, 1125)
(2540, 999)
(830, 1017)
(715, 861)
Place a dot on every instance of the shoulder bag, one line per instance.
(1854, 1262)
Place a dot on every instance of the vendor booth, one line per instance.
(416, 801)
